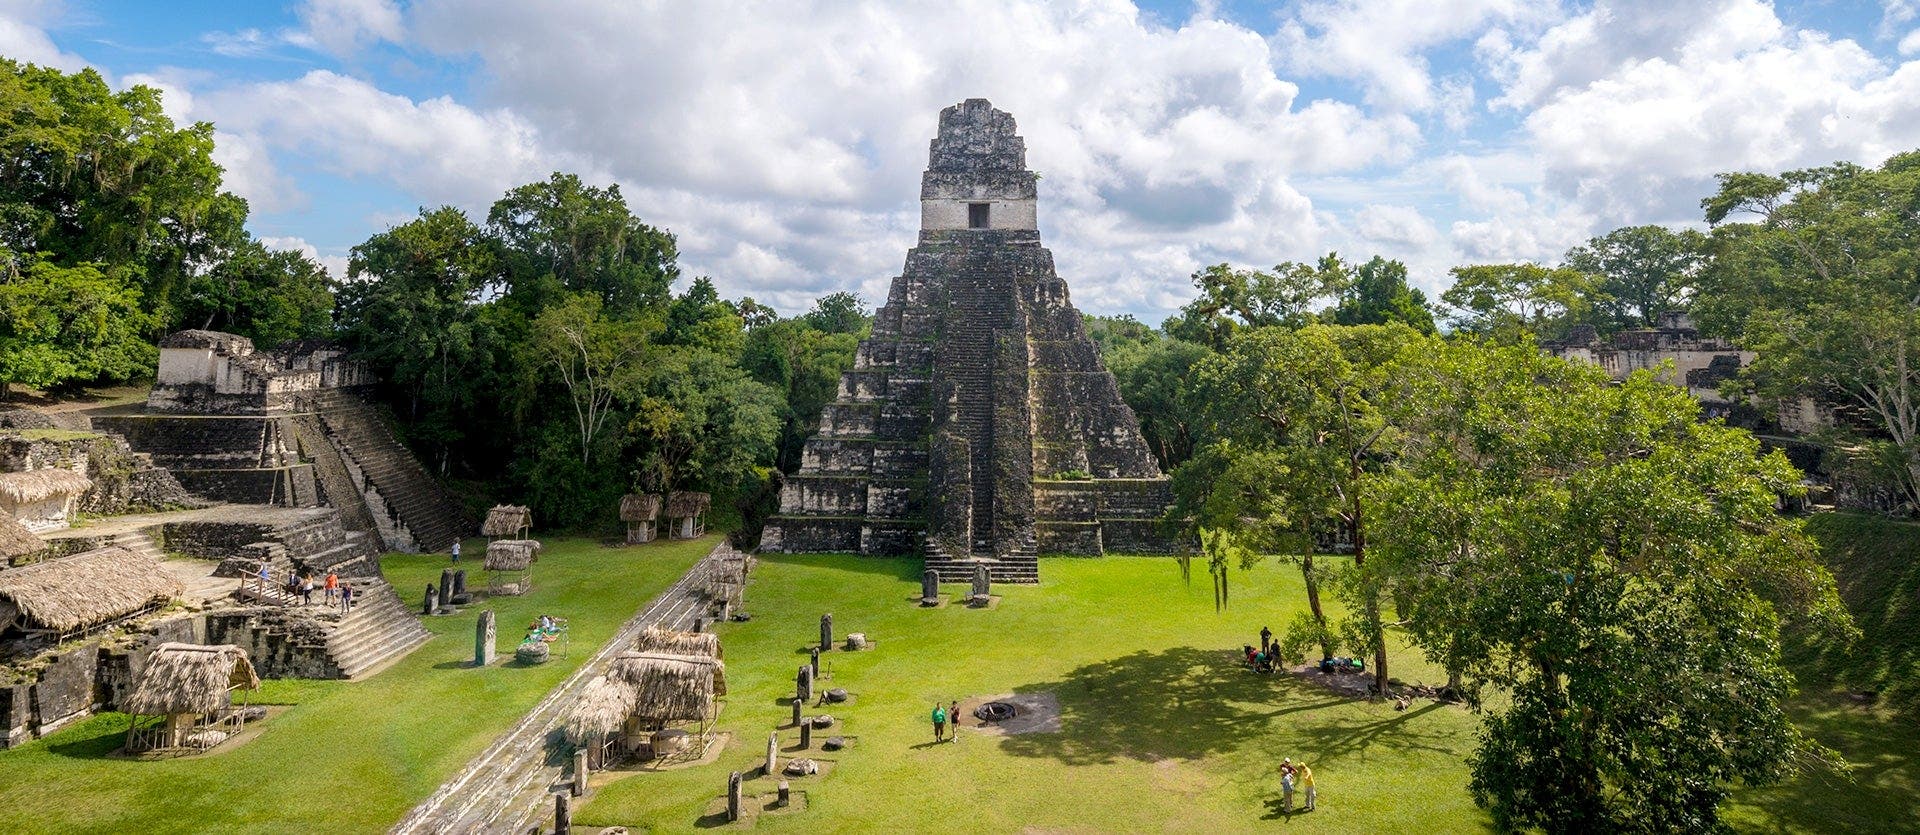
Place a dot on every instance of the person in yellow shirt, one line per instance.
(1306, 782)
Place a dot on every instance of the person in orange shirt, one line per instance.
(333, 583)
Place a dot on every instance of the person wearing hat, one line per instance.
(1306, 782)
(1286, 785)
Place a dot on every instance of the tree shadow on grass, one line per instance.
(1879, 786)
(1336, 742)
(1183, 702)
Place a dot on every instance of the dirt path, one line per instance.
(508, 788)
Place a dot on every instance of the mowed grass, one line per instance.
(1876, 562)
(347, 756)
(1162, 728)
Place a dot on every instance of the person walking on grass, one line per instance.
(939, 723)
(1286, 786)
(1306, 782)
(953, 715)
(456, 552)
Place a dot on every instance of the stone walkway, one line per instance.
(509, 787)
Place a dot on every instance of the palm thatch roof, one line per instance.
(42, 484)
(506, 520)
(639, 507)
(670, 642)
(16, 540)
(684, 503)
(511, 554)
(89, 588)
(602, 709)
(671, 687)
(190, 678)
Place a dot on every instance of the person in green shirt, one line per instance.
(939, 723)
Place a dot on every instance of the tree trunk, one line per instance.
(1373, 595)
(1313, 602)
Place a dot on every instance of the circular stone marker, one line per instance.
(824, 720)
(836, 695)
(834, 743)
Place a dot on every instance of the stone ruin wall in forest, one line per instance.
(978, 424)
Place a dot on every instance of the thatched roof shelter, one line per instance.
(16, 540)
(511, 554)
(506, 520)
(671, 687)
(602, 709)
(639, 507)
(87, 589)
(684, 503)
(190, 678)
(42, 484)
(670, 642)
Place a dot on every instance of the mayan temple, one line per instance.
(978, 424)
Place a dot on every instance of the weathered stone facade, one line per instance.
(978, 423)
(287, 427)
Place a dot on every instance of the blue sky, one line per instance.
(782, 142)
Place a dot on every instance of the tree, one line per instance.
(595, 357)
(265, 295)
(1234, 299)
(841, 312)
(1377, 294)
(1820, 282)
(1642, 271)
(564, 236)
(88, 175)
(412, 310)
(1153, 376)
(1617, 566)
(65, 325)
(1313, 400)
(1508, 300)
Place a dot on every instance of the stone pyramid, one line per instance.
(978, 425)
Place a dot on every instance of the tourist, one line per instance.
(306, 589)
(1286, 785)
(939, 723)
(456, 552)
(1266, 638)
(1306, 782)
(264, 575)
(346, 598)
(333, 585)
(953, 715)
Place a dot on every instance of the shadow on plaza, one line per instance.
(1191, 703)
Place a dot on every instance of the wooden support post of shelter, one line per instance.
(641, 512)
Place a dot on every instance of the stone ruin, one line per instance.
(978, 424)
(306, 476)
(289, 427)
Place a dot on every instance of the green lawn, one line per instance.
(1162, 728)
(347, 757)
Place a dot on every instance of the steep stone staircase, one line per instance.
(412, 495)
(380, 630)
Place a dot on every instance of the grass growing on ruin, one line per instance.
(348, 756)
(1162, 728)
